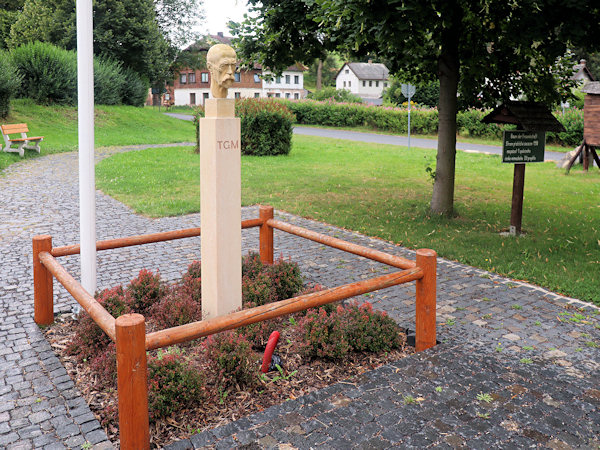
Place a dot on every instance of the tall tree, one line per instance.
(9, 13)
(491, 49)
(177, 20)
(145, 35)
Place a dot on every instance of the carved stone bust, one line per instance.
(221, 61)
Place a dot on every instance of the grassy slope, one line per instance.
(114, 126)
(384, 191)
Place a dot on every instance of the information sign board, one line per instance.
(522, 146)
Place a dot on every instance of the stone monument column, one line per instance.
(220, 191)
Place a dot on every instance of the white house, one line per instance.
(192, 86)
(367, 80)
(289, 85)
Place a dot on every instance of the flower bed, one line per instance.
(209, 382)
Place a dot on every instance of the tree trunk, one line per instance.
(442, 201)
(319, 75)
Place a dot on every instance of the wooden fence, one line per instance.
(129, 331)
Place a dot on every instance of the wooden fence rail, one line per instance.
(132, 342)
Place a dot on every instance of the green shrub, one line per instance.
(334, 334)
(176, 308)
(266, 127)
(230, 355)
(145, 290)
(109, 81)
(468, 123)
(322, 336)
(49, 74)
(266, 283)
(337, 95)
(370, 331)
(173, 384)
(286, 279)
(426, 94)
(9, 83)
(257, 291)
(89, 340)
(191, 283)
(572, 120)
(135, 89)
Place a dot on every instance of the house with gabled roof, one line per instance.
(367, 80)
(581, 73)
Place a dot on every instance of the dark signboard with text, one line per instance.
(521, 146)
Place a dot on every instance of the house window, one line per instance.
(384, 84)
(296, 96)
(349, 83)
(192, 99)
(277, 95)
(364, 83)
(192, 77)
(377, 84)
(370, 83)
(287, 79)
(287, 95)
(257, 95)
(296, 79)
(183, 78)
(204, 77)
(237, 95)
(347, 71)
(344, 84)
(256, 78)
(204, 97)
(278, 80)
(237, 77)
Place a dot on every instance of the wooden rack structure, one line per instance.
(129, 331)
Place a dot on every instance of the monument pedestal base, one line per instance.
(220, 208)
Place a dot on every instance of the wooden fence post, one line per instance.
(426, 300)
(43, 301)
(132, 382)
(266, 235)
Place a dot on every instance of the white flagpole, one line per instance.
(87, 179)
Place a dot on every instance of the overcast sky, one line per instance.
(219, 12)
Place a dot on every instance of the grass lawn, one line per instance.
(114, 126)
(385, 191)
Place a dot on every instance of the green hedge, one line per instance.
(49, 73)
(266, 126)
(49, 76)
(9, 83)
(337, 95)
(422, 120)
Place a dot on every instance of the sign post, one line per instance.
(520, 147)
(220, 191)
(408, 90)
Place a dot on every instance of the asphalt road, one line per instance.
(376, 138)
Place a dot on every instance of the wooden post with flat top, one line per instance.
(132, 382)
(425, 332)
(266, 235)
(43, 293)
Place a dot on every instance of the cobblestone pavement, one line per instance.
(518, 366)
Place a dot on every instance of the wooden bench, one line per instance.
(22, 143)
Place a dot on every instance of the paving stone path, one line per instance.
(517, 366)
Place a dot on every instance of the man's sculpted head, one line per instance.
(221, 61)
